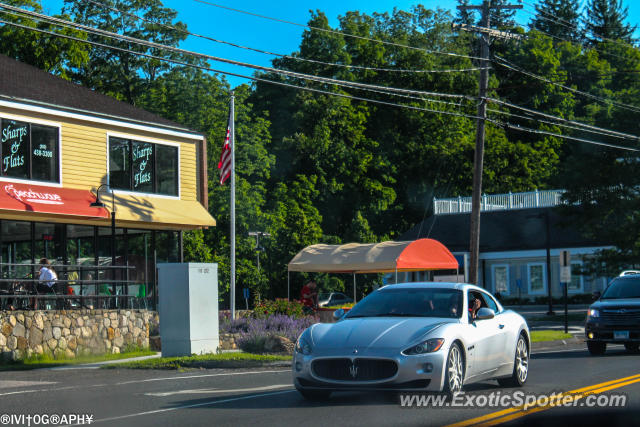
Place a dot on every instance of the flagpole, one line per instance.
(233, 208)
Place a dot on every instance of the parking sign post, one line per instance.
(565, 279)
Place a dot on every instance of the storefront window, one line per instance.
(143, 167)
(48, 243)
(15, 149)
(143, 177)
(168, 246)
(29, 151)
(80, 247)
(119, 164)
(16, 249)
(167, 171)
(44, 148)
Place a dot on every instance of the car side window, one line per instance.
(491, 303)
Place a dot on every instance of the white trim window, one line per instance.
(148, 167)
(577, 280)
(500, 274)
(537, 278)
(30, 151)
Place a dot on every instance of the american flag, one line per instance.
(225, 157)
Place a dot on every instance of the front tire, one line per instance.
(520, 365)
(315, 395)
(596, 348)
(454, 371)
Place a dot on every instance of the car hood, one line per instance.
(617, 303)
(371, 333)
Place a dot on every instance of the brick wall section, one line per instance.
(73, 332)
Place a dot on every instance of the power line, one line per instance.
(507, 64)
(326, 92)
(572, 138)
(119, 37)
(282, 55)
(435, 52)
(254, 78)
(566, 121)
(566, 126)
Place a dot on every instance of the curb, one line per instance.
(97, 365)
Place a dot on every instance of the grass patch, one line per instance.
(207, 361)
(49, 361)
(549, 335)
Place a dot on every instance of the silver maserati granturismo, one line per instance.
(414, 337)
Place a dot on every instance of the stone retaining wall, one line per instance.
(73, 332)
(229, 341)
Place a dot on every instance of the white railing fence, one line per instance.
(500, 202)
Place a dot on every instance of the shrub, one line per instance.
(258, 330)
(267, 308)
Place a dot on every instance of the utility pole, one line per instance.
(478, 160)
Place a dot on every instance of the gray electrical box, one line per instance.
(188, 308)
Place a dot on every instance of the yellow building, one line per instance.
(61, 142)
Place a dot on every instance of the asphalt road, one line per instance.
(265, 397)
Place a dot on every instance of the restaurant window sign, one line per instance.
(29, 151)
(143, 166)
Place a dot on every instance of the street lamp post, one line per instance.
(258, 248)
(99, 204)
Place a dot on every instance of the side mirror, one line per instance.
(485, 313)
(337, 315)
(596, 295)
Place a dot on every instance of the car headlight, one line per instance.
(303, 346)
(593, 312)
(428, 346)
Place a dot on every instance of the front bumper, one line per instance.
(598, 331)
(414, 373)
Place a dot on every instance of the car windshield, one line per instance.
(408, 302)
(323, 296)
(624, 287)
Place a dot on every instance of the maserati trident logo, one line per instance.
(353, 370)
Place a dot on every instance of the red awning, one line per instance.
(54, 200)
(415, 255)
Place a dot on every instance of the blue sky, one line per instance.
(279, 37)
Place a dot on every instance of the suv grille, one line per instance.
(360, 370)
(621, 316)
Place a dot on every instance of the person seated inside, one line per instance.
(474, 306)
(454, 305)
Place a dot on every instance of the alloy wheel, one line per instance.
(522, 360)
(454, 369)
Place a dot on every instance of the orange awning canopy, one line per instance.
(385, 257)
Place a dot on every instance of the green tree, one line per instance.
(465, 16)
(48, 52)
(559, 18)
(126, 76)
(606, 21)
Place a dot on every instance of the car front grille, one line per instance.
(361, 369)
(621, 316)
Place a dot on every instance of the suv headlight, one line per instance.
(593, 312)
(428, 346)
(303, 346)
